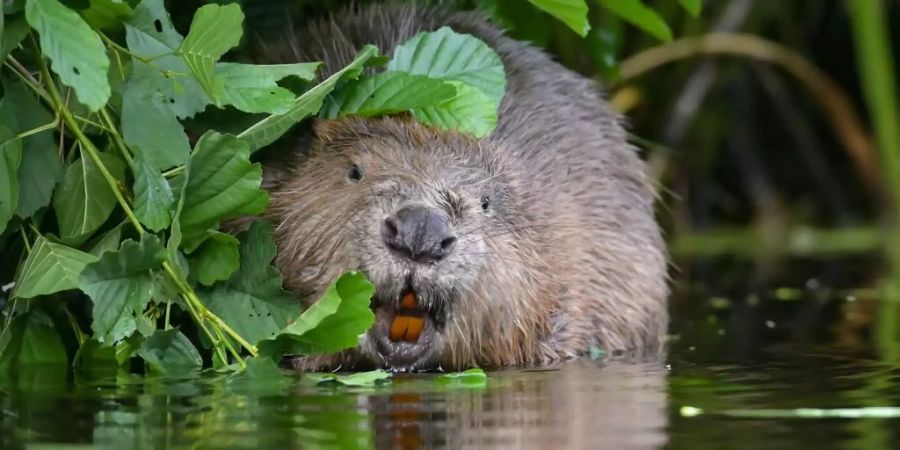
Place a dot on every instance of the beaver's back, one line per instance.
(592, 202)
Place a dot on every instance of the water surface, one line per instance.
(614, 403)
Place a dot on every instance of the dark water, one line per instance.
(719, 375)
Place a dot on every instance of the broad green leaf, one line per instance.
(158, 92)
(49, 268)
(264, 75)
(31, 338)
(371, 378)
(75, 51)
(475, 372)
(120, 285)
(272, 100)
(10, 159)
(223, 185)
(387, 93)
(106, 14)
(151, 18)
(471, 378)
(252, 300)
(169, 352)
(84, 200)
(149, 126)
(153, 198)
(168, 78)
(693, 7)
(641, 16)
(40, 169)
(332, 324)
(254, 89)
(14, 31)
(470, 111)
(447, 55)
(573, 13)
(216, 259)
(109, 242)
(260, 376)
(214, 30)
(93, 355)
(271, 128)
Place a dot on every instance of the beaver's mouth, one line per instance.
(407, 329)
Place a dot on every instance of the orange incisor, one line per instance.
(407, 326)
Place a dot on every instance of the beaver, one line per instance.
(523, 248)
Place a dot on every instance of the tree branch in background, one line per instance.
(831, 97)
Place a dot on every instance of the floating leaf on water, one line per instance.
(371, 378)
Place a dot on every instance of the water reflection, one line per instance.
(589, 405)
(586, 405)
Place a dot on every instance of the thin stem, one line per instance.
(79, 335)
(39, 129)
(88, 146)
(24, 238)
(26, 77)
(117, 138)
(168, 314)
(124, 50)
(174, 172)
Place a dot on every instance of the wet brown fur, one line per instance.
(572, 258)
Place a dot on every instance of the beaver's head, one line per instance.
(437, 221)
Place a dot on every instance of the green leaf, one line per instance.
(120, 284)
(10, 159)
(693, 7)
(332, 324)
(264, 75)
(216, 259)
(214, 30)
(107, 14)
(150, 127)
(76, 52)
(13, 33)
(447, 55)
(109, 242)
(223, 185)
(470, 111)
(641, 16)
(168, 78)
(30, 339)
(169, 352)
(252, 301)
(573, 13)
(83, 200)
(40, 169)
(49, 268)
(387, 93)
(471, 378)
(152, 20)
(260, 376)
(254, 89)
(371, 378)
(271, 128)
(153, 198)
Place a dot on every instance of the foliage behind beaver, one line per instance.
(525, 247)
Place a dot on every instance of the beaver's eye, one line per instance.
(485, 203)
(354, 174)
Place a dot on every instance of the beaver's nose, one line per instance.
(419, 233)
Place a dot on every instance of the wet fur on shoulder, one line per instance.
(571, 257)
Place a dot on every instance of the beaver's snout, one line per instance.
(419, 233)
